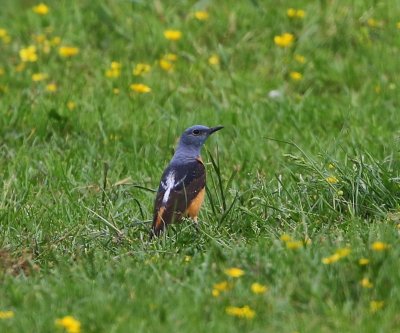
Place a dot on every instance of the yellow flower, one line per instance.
(6, 314)
(71, 105)
(284, 40)
(68, 51)
(366, 283)
(69, 323)
(374, 23)
(28, 54)
(201, 15)
(214, 60)
(114, 70)
(241, 312)
(51, 87)
(173, 35)
(218, 288)
(332, 180)
(36, 77)
(55, 41)
(374, 306)
(234, 272)
(188, 258)
(141, 69)
(258, 288)
(166, 65)
(343, 252)
(398, 25)
(331, 259)
(294, 245)
(379, 246)
(300, 13)
(41, 9)
(339, 254)
(291, 12)
(140, 88)
(116, 91)
(300, 59)
(296, 76)
(295, 13)
(285, 238)
(363, 261)
(170, 57)
(4, 36)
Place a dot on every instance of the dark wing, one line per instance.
(172, 201)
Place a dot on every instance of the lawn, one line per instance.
(299, 231)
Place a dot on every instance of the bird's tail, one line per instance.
(159, 223)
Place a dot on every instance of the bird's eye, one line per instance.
(196, 132)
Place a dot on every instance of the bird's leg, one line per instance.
(196, 224)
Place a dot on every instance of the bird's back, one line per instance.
(181, 184)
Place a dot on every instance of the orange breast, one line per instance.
(194, 207)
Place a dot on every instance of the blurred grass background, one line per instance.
(312, 155)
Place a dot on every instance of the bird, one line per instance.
(182, 187)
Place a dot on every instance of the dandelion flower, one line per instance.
(6, 314)
(379, 246)
(166, 65)
(371, 22)
(56, 40)
(300, 58)
(214, 60)
(366, 283)
(69, 323)
(41, 9)
(363, 261)
(220, 287)
(339, 254)
(375, 306)
(201, 15)
(141, 69)
(37, 77)
(300, 13)
(71, 105)
(294, 245)
(115, 70)
(234, 272)
(187, 258)
(285, 238)
(68, 51)
(140, 88)
(116, 91)
(28, 54)
(241, 312)
(173, 35)
(332, 180)
(4, 36)
(296, 76)
(258, 288)
(170, 57)
(51, 87)
(284, 40)
(343, 252)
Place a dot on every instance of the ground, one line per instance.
(300, 227)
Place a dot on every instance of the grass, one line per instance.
(318, 164)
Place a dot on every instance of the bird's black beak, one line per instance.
(214, 129)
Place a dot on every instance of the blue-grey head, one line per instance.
(192, 140)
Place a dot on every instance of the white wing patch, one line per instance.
(169, 184)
